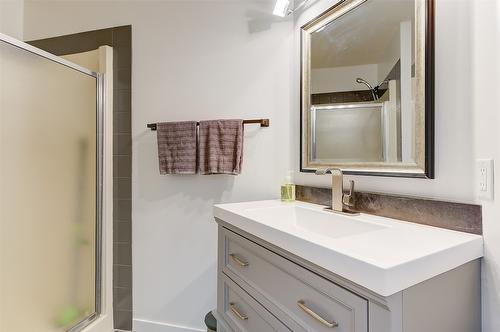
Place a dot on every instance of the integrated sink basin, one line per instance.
(313, 221)
(380, 254)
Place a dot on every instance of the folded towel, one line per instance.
(220, 148)
(177, 147)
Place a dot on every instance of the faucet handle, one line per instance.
(331, 170)
(348, 199)
(320, 171)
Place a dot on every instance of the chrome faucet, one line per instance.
(339, 199)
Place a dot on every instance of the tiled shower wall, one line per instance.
(120, 38)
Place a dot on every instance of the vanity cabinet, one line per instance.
(265, 288)
(243, 313)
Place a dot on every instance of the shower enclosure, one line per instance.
(51, 180)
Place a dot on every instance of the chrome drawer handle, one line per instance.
(236, 312)
(302, 305)
(239, 261)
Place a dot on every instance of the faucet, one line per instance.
(339, 199)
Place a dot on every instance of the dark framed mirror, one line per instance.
(367, 89)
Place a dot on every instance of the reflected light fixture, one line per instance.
(282, 7)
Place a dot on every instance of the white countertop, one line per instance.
(381, 254)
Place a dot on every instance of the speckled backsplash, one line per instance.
(449, 215)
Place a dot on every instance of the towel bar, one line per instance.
(262, 122)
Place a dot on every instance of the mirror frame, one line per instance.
(424, 105)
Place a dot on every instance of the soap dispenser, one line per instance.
(288, 189)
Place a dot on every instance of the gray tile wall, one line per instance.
(120, 38)
(341, 97)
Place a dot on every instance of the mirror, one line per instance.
(367, 89)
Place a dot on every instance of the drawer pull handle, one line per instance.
(236, 312)
(238, 260)
(314, 315)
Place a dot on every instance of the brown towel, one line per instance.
(220, 148)
(177, 147)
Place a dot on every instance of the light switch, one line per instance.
(485, 182)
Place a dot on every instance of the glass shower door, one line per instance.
(49, 211)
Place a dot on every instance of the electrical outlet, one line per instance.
(485, 181)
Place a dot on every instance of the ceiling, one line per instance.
(362, 36)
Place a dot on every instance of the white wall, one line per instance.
(191, 61)
(324, 80)
(11, 18)
(486, 46)
(392, 54)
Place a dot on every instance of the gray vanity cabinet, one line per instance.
(243, 313)
(264, 288)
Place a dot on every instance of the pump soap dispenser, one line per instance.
(288, 189)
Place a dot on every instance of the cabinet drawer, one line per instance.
(311, 301)
(243, 313)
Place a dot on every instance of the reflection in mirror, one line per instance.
(376, 67)
(357, 127)
(362, 81)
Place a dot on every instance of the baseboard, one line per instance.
(141, 325)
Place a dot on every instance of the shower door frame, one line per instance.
(100, 102)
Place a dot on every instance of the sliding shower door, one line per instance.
(49, 192)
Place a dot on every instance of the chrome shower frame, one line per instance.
(345, 106)
(100, 102)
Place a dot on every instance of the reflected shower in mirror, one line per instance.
(376, 69)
